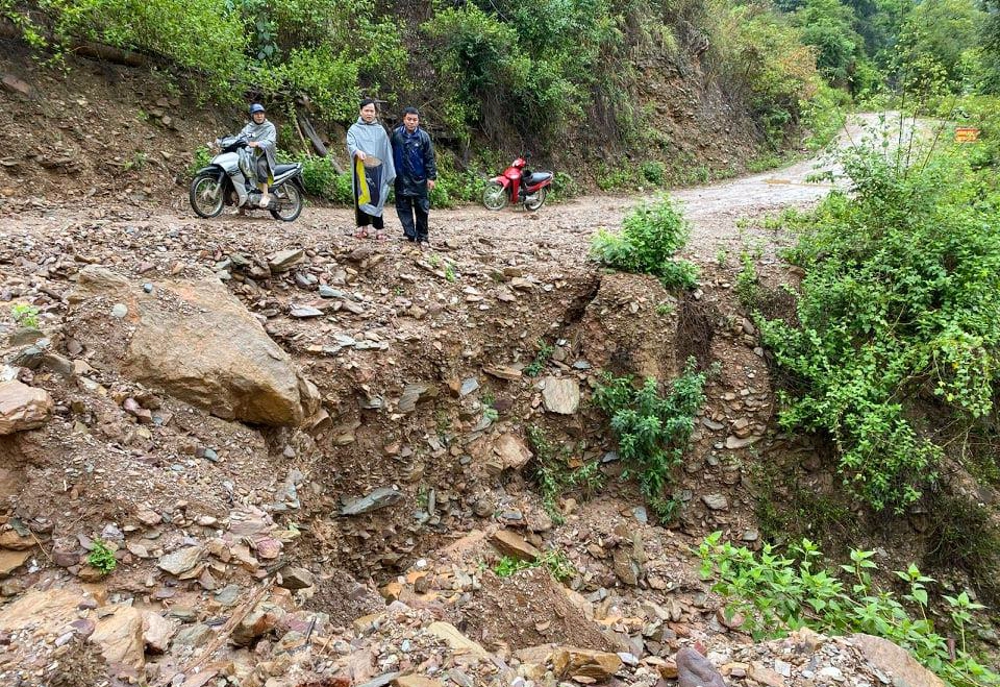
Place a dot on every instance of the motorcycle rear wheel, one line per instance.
(206, 196)
(536, 200)
(495, 196)
(289, 200)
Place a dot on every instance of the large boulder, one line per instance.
(22, 407)
(198, 343)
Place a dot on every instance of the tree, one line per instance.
(939, 44)
(990, 36)
(828, 26)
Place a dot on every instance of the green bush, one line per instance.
(651, 236)
(883, 328)
(202, 157)
(453, 187)
(318, 176)
(205, 36)
(823, 116)
(777, 594)
(654, 172)
(330, 80)
(564, 186)
(616, 178)
(652, 428)
(533, 63)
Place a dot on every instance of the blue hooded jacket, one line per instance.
(414, 158)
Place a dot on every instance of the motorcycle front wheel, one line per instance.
(536, 200)
(289, 200)
(495, 196)
(206, 196)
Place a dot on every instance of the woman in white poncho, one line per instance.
(262, 137)
(372, 169)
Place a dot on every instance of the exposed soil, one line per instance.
(421, 359)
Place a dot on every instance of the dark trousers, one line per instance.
(363, 219)
(413, 211)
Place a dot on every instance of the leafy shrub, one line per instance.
(652, 428)
(454, 187)
(654, 172)
(202, 157)
(748, 282)
(777, 594)
(616, 178)
(823, 116)
(329, 79)
(102, 557)
(531, 64)
(651, 236)
(206, 36)
(883, 325)
(564, 186)
(318, 176)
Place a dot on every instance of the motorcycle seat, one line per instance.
(538, 177)
(281, 169)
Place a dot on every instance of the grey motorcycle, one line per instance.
(228, 180)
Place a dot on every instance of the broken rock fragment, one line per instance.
(694, 670)
(597, 665)
(383, 497)
(23, 407)
(561, 395)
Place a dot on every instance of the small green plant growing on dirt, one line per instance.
(778, 593)
(423, 497)
(651, 236)
(434, 260)
(449, 274)
(556, 562)
(25, 315)
(508, 565)
(102, 557)
(490, 411)
(748, 283)
(137, 162)
(722, 257)
(652, 427)
(536, 366)
(664, 308)
(555, 477)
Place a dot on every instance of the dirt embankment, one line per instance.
(266, 555)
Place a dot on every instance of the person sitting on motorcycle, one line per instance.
(262, 137)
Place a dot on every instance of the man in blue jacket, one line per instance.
(416, 173)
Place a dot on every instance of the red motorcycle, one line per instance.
(518, 184)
